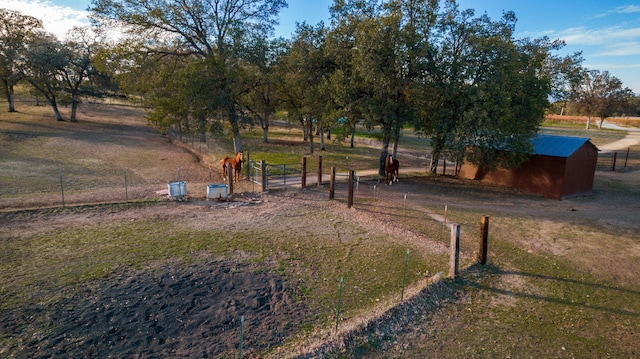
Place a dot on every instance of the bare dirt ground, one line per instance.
(164, 310)
(161, 312)
(172, 310)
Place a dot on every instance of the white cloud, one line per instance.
(55, 19)
(624, 10)
(601, 36)
(629, 9)
(629, 48)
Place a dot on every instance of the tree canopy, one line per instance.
(216, 32)
(17, 31)
(463, 81)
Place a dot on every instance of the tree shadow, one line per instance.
(555, 300)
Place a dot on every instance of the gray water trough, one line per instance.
(177, 190)
(217, 191)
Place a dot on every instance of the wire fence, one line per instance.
(415, 209)
(617, 160)
(94, 183)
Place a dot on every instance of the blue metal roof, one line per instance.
(557, 146)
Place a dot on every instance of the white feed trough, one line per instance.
(217, 191)
(178, 190)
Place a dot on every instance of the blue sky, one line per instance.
(607, 32)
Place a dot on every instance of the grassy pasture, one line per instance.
(561, 280)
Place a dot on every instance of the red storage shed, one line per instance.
(560, 167)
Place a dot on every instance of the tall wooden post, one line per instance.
(613, 165)
(319, 170)
(303, 175)
(263, 168)
(484, 239)
(350, 197)
(230, 177)
(454, 259)
(332, 183)
(626, 158)
(247, 164)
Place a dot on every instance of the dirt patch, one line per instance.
(168, 311)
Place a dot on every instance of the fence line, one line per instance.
(612, 161)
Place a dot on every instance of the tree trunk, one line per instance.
(433, 166)
(235, 128)
(74, 110)
(438, 143)
(54, 106)
(202, 129)
(265, 129)
(10, 96)
(383, 154)
(310, 134)
(322, 146)
(601, 123)
(305, 132)
(395, 147)
(353, 135)
(588, 122)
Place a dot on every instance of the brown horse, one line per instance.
(236, 165)
(391, 169)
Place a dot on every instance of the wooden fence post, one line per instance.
(248, 165)
(350, 199)
(230, 177)
(319, 170)
(484, 238)
(454, 260)
(263, 167)
(613, 164)
(303, 176)
(332, 183)
(626, 158)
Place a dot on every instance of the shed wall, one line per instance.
(541, 174)
(580, 170)
(550, 176)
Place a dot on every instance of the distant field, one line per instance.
(620, 121)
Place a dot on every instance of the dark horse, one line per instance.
(391, 167)
(236, 165)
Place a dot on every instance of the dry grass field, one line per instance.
(142, 276)
(620, 121)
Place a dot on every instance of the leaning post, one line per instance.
(454, 260)
(626, 158)
(62, 188)
(332, 183)
(248, 165)
(303, 175)
(350, 199)
(319, 170)
(484, 239)
(263, 169)
(230, 177)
